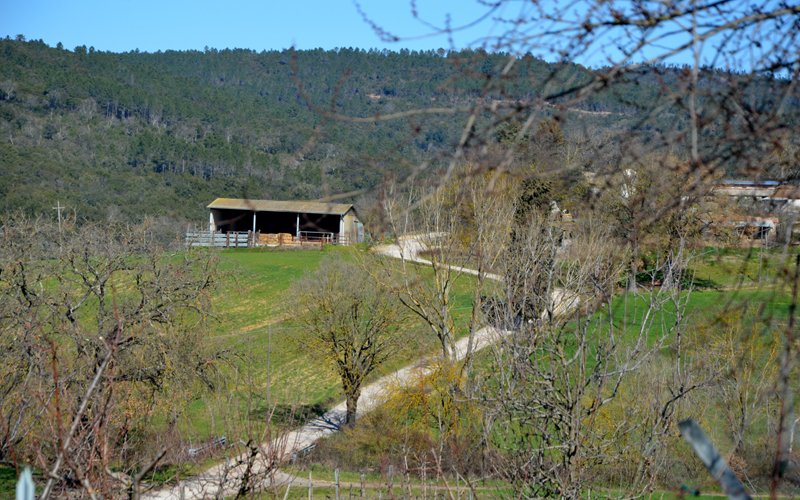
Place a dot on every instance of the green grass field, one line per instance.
(729, 279)
(742, 267)
(255, 322)
(699, 306)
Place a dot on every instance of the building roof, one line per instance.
(749, 220)
(789, 192)
(749, 182)
(301, 207)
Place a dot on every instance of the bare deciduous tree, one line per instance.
(97, 321)
(352, 323)
(427, 235)
(555, 374)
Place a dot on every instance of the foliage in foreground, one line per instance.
(588, 376)
(99, 325)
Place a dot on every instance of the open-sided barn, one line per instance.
(304, 220)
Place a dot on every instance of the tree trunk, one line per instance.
(634, 268)
(352, 404)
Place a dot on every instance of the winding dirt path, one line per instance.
(224, 478)
(232, 471)
(409, 247)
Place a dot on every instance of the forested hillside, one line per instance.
(125, 135)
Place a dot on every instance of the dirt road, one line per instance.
(224, 479)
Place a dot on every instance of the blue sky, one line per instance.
(152, 25)
(148, 25)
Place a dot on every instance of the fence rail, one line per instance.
(245, 239)
(221, 240)
(317, 237)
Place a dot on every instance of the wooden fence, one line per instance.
(233, 239)
(247, 239)
(324, 238)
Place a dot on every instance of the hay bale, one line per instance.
(268, 239)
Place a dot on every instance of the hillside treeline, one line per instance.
(121, 135)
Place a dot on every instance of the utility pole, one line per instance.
(58, 207)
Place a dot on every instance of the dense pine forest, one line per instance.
(122, 135)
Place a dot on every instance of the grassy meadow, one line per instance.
(735, 291)
(255, 323)
(265, 365)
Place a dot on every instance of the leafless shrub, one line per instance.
(728, 109)
(558, 373)
(98, 324)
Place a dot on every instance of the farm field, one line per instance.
(266, 364)
(727, 287)
(255, 323)
(741, 267)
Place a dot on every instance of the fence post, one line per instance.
(716, 465)
(336, 480)
(25, 487)
(424, 480)
(363, 492)
(406, 476)
(310, 487)
(389, 484)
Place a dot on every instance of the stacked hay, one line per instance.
(268, 239)
(275, 239)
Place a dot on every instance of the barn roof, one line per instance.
(302, 207)
(790, 192)
(749, 182)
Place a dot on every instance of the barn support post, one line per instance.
(297, 228)
(254, 221)
(341, 229)
(211, 227)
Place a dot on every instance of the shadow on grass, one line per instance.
(285, 415)
(655, 277)
(8, 481)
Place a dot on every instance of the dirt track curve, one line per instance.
(224, 478)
